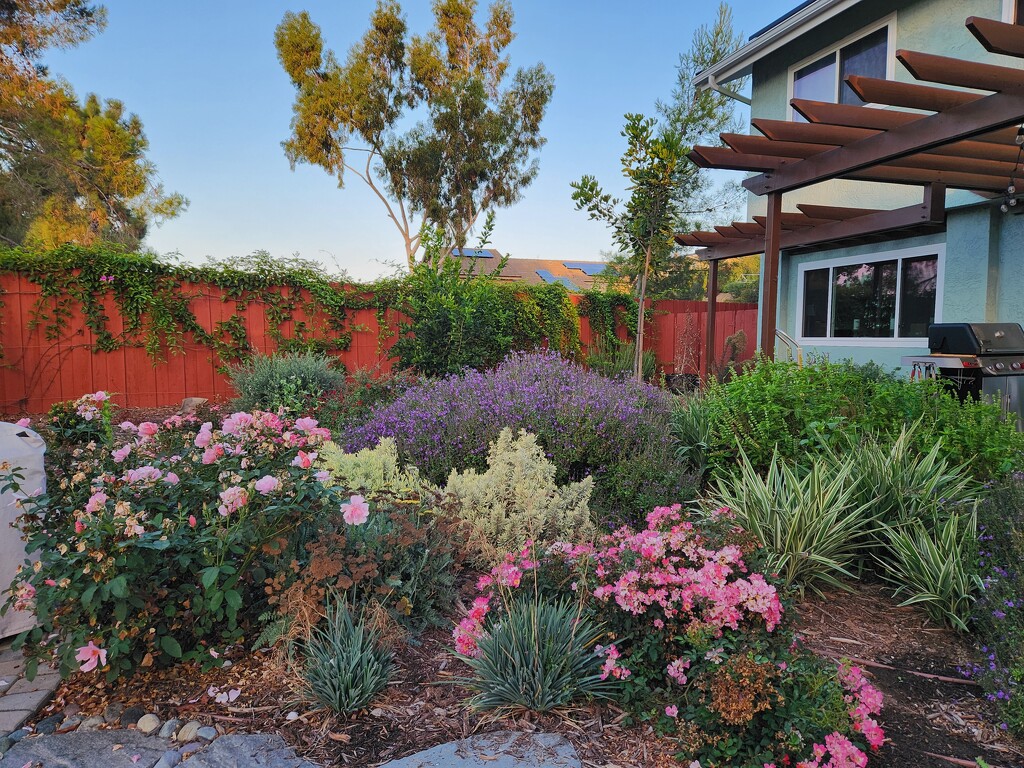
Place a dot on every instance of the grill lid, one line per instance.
(975, 338)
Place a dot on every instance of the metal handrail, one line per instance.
(793, 350)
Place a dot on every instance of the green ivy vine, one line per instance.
(606, 311)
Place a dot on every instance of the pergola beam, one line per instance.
(997, 36)
(959, 73)
(874, 90)
(990, 113)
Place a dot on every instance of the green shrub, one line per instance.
(346, 663)
(693, 434)
(933, 565)
(541, 656)
(369, 470)
(289, 380)
(516, 499)
(808, 521)
(363, 390)
(615, 359)
(777, 407)
(78, 422)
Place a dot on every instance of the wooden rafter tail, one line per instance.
(742, 142)
(810, 133)
(749, 227)
(833, 212)
(902, 174)
(959, 73)
(731, 233)
(875, 90)
(726, 159)
(997, 36)
(852, 116)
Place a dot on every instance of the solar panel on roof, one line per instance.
(473, 253)
(587, 267)
(547, 277)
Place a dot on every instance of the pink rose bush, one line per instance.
(696, 641)
(148, 545)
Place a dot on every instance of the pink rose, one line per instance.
(304, 460)
(267, 484)
(306, 424)
(356, 512)
(672, 711)
(91, 656)
(100, 397)
(121, 453)
(79, 526)
(233, 498)
(171, 479)
(96, 502)
(191, 521)
(205, 435)
(148, 428)
(211, 454)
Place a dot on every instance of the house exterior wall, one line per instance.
(982, 267)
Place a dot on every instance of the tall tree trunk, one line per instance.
(638, 359)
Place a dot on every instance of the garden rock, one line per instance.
(188, 731)
(5, 744)
(131, 716)
(170, 759)
(503, 749)
(168, 729)
(261, 750)
(92, 723)
(92, 749)
(207, 733)
(70, 723)
(188, 749)
(49, 724)
(148, 723)
(18, 735)
(113, 711)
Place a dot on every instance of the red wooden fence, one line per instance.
(36, 372)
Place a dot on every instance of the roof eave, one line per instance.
(740, 63)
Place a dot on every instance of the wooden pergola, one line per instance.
(960, 139)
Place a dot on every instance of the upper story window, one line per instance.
(821, 78)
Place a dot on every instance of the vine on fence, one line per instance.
(153, 298)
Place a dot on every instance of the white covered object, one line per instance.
(20, 447)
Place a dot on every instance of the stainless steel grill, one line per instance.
(982, 360)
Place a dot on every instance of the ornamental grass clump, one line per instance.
(346, 661)
(615, 430)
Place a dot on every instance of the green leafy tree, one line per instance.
(440, 135)
(70, 172)
(654, 166)
(696, 117)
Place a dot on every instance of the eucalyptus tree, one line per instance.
(435, 125)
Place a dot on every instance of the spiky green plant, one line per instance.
(808, 521)
(539, 657)
(933, 565)
(693, 434)
(346, 665)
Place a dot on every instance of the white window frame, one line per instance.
(890, 59)
(1009, 11)
(938, 250)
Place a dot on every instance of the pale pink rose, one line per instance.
(356, 512)
(122, 453)
(267, 484)
(205, 435)
(91, 656)
(236, 422)
(148, 428)
(96, 502)
(211, 454)
(127, 426)
(323, 475)
(171, 479)
(233, 498)
(100, 397)
(23, 422)
(306, 424)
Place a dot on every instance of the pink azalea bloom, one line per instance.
(100, 397)
(306, 424)
(23, 422)
(267, 484)
(672, 711)
(356, 512)
(148, 428)
(91, 656)
(191, 521)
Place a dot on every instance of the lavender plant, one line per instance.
(614, 430)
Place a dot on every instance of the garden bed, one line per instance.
(423, 708)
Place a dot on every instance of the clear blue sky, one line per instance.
(204, 78)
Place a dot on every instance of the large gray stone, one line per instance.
(503, 749)
(168, 729)
(261, 750)
(91, 749)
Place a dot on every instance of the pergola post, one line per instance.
(770, 290)
(706, 364)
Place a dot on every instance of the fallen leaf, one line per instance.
(136, 758)
(344, 738)
(117, 747)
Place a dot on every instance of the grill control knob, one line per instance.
(999, 366)
(1015, 366)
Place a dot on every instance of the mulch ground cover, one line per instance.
(931, 717)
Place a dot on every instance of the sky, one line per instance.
(216, 104)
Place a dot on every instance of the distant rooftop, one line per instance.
(574, 275)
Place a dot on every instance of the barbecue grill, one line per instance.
(981, 360)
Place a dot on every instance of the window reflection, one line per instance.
(864, 300)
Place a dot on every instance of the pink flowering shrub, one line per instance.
(695, 641)
(155, 550)
(80, 421)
